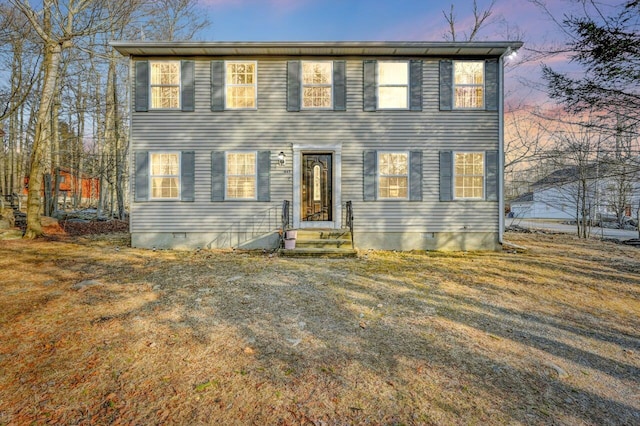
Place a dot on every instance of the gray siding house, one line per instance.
(407, 134)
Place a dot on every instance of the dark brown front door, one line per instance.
(316, 187)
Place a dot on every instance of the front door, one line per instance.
(316, 188)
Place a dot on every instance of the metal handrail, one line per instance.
(284, 221)
(349, 219)
(285, 215)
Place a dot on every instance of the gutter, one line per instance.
(501, 222)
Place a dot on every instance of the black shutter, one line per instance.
(187, 176)
(370, 175)
(217, 175)
(491, 84)
(491, 175)
(415, 176)
(217, 85)
(187, 75)
(446, 175)
(293, 86)
(142, 86)
(446, 85)
(370, 83)
(264, 175)
(142, 176)
(415, 89)
(339, 86)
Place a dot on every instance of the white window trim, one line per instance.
(226, 176)
(484, 175)
(408, 86)
(255, 85)
(178, 176)
(179, 85)
(303, 85)
(454, 85)
(408, 175)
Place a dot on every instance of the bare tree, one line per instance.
(170, 20)
(58, 25)
(480, 20)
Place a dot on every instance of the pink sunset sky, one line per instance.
(401, 20)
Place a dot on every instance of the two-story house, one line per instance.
(407, 134)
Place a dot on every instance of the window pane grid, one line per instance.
(317, 84)
(165, 175)
(469, 175)
(241, 85)
(165, 85)
(393, 179)
(241, 175)
(317, 97)
(469, 84)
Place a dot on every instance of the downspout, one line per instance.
(501, 145)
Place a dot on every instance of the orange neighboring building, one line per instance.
(70, 186)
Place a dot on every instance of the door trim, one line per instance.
(336, 151)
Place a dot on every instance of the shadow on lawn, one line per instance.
(304, 316)
(329, 305)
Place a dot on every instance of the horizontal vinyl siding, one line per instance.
(272, 128)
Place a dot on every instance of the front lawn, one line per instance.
(94, 332)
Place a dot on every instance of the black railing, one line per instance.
(348, 219)
(284, 222)
(249, 228)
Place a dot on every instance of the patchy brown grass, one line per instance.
(548, 336)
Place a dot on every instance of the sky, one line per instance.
(377, 20)
(398, 20)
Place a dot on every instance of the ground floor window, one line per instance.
(165, 175)
(241, 175)
(393, 174)
(469, 175)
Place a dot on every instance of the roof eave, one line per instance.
(338, 48)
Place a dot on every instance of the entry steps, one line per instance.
(321, 243)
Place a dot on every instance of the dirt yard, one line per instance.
(94, 332)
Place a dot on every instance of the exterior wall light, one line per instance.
(281, 158)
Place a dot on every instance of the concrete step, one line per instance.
(319, 252)
(322, 234)
(324, 242)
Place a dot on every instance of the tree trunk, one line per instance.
(50, 64)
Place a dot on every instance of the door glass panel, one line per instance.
(317, 195)
(316, 187)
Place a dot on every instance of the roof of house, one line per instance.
(560, 176)
(315, 48)
(526, 197)
(602, 169)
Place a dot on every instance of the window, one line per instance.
(393, 85)
(393, 174)
(468, 84)
(240, 85)
(165, 175)
(241, 175)
(317, 84)
(469, 175)
(165, 85)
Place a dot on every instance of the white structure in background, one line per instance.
(557, 197)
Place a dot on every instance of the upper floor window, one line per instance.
(393, 85)
(469, 175)
(165, 85)
(393, 174)
(165, 175)
(241, 85)
(317, 84)
(468, 81)
(241, 175)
